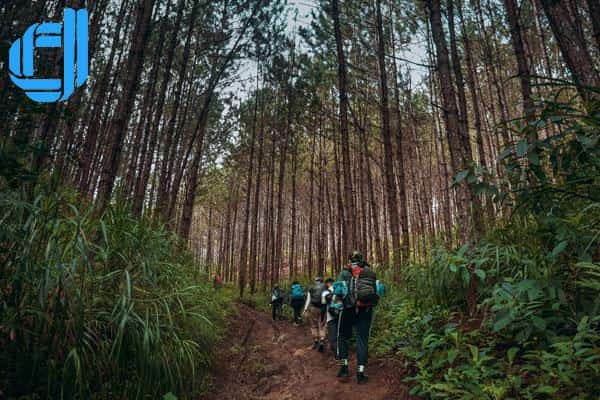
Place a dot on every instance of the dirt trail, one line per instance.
(266, 360)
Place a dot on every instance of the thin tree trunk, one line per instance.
(349, 212)
(119, 124)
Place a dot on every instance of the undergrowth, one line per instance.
(515, 315)
(109, 307)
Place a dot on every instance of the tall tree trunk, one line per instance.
(349, 212)
(387, 148)
(120, 121)
(402, 179)
(594, 10)
(89, 145)
(512, 15)
(572, 48)
(254, 223)
(459, 159)
(166, 165)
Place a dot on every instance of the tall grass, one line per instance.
(109, 307)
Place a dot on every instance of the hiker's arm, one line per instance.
(307, 303)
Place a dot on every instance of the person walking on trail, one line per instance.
(357, 312)
(332, 314)
(297, 301)
(276, 302)
(217, 282)
(316, 306)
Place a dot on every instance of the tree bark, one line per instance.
(348, 226)
(573, 50)
(120, 121)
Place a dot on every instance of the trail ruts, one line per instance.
(263, 359)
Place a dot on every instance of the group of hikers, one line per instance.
(334, 308)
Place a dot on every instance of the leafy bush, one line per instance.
(108, 307)
(515, 315)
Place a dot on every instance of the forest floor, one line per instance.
(262, 359)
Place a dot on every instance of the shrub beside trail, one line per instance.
(108, 307)
(516, 314)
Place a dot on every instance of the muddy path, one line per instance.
(266, 360)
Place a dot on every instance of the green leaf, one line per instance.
(461, 252)
(466, 277)
(511, 353)
(507, 151)
(474, 352)
(558, 249)
(461, 176)
(522, 147)
(534, 158)
(546, 389)
(539, 323)
(587, 142)
(452, 353)
(503, 318)
(480, 273)
(169, 396)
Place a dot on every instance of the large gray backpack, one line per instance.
(363, 286)
(315, 293)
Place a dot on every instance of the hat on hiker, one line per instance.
(319, 279)
(356, 256)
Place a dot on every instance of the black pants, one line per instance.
(361, 319)
(332, 327)
(276, 308)
(297, 306)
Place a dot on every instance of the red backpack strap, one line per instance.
(356, 270)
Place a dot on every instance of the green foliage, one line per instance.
(108, 307)
(517, 314)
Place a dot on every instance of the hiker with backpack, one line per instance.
(297, 300)
(316, 306)
(357, 286)
(332, 304)
(276, 302)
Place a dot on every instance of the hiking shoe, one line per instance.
(321, 348)
(361, 378)
(343, 372)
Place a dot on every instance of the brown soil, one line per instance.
(263, 359)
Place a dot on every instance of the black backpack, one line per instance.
(315, 293)
(363, 286)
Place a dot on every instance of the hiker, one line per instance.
(296, 300)
(217, 282)
(357, 313)
(276, 302)
(316, 305)
(332, 315)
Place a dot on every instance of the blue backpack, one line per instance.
(297, 293)
(335, 308)
(340, 289)
(380, 288)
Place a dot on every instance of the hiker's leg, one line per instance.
(315, 315)
(296, 313)
(274, 310)
(322, 325)
(344, 332)
(332, 335)
(363, 330)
